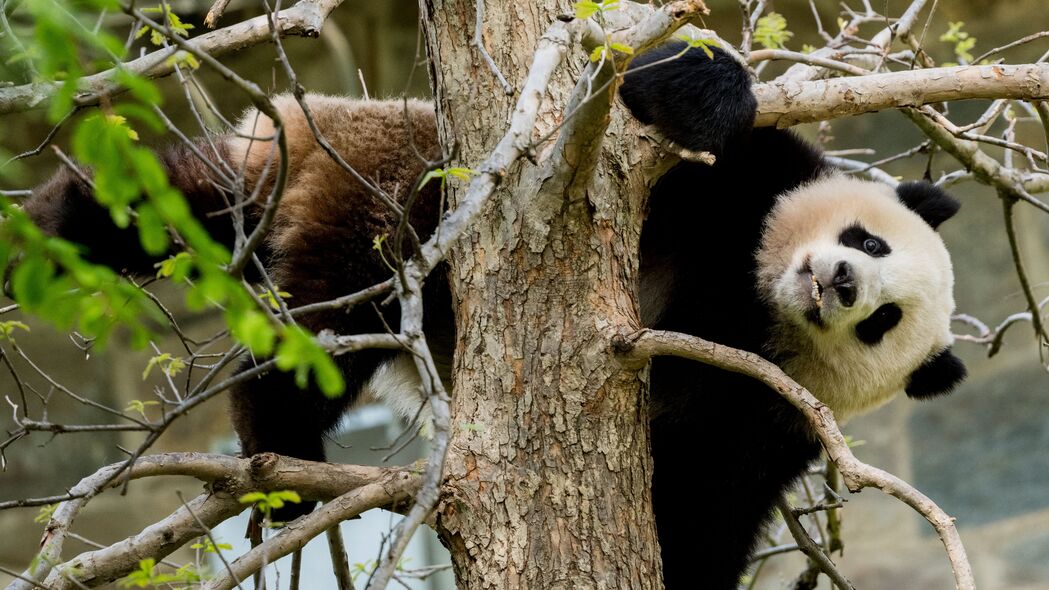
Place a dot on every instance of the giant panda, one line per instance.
(842, 282)
(845, 283)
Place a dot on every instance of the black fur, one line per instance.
(855, 236)
(930, 202)
(938, 375)
(717, 474)
(715, 93)
(873, 329)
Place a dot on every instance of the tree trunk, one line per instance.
(548, 473)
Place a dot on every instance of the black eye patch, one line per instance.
(871, 330)
(860, 239)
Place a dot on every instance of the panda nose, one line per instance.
(844, 283)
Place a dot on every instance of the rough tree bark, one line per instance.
(550, 487)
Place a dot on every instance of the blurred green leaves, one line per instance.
(51, 277)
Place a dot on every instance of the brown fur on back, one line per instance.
(321, 247)
(327, 220)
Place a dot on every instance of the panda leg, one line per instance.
(271, 414)
(718, 472)
(706, 522)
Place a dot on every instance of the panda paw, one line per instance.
(702, 103)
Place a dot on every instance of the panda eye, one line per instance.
(855, 236)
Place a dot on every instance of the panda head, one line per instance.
(860, 289)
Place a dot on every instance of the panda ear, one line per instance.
(930, 202)
(938, 375)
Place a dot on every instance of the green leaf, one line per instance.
(151, 230)
(251, 498)
(329, 377)
(299, 351)
(170, 365)
(45, 513)
(254, 330)
(31, 281)
(287, 496)
(7, 329)
(771, 32)
(701, 43)
(586, 9)
(138, 406)
(141, 88)
(271, 299)
(209, 547)
(176, 267)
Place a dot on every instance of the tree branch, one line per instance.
(810, 548)
(305, 19)
(229, 478)
(985, 168)
(782, 104)
(641, 346)
(394, 486)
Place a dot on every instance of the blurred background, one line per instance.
(982, 453)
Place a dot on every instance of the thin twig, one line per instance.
(811, 549)
(478, 42)
(1021, 273)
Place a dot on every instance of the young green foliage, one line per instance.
(694, 42)
(267, 502)
(50, 278)
(147, 575)
(139, 407)
(170, 365)
(174, 23)
(772, 32)
(963, 42)
(210, 547)
(585, 9)
(45, 513)
(7, 329)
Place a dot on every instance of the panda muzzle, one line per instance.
(844, 283)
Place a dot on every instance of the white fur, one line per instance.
(396, 383)
(848, 375)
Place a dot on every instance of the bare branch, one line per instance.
(1017, 43)
(782, 104)
(1008, 201)
(479, 44)
(304, 19)
(339, 560)
(807, 546)
(985, 168)
(394, 486)
(805, 58)
(229, 477)
(643, 345)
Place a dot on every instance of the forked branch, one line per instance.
(641, 346)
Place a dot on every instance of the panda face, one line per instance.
(860, 289)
